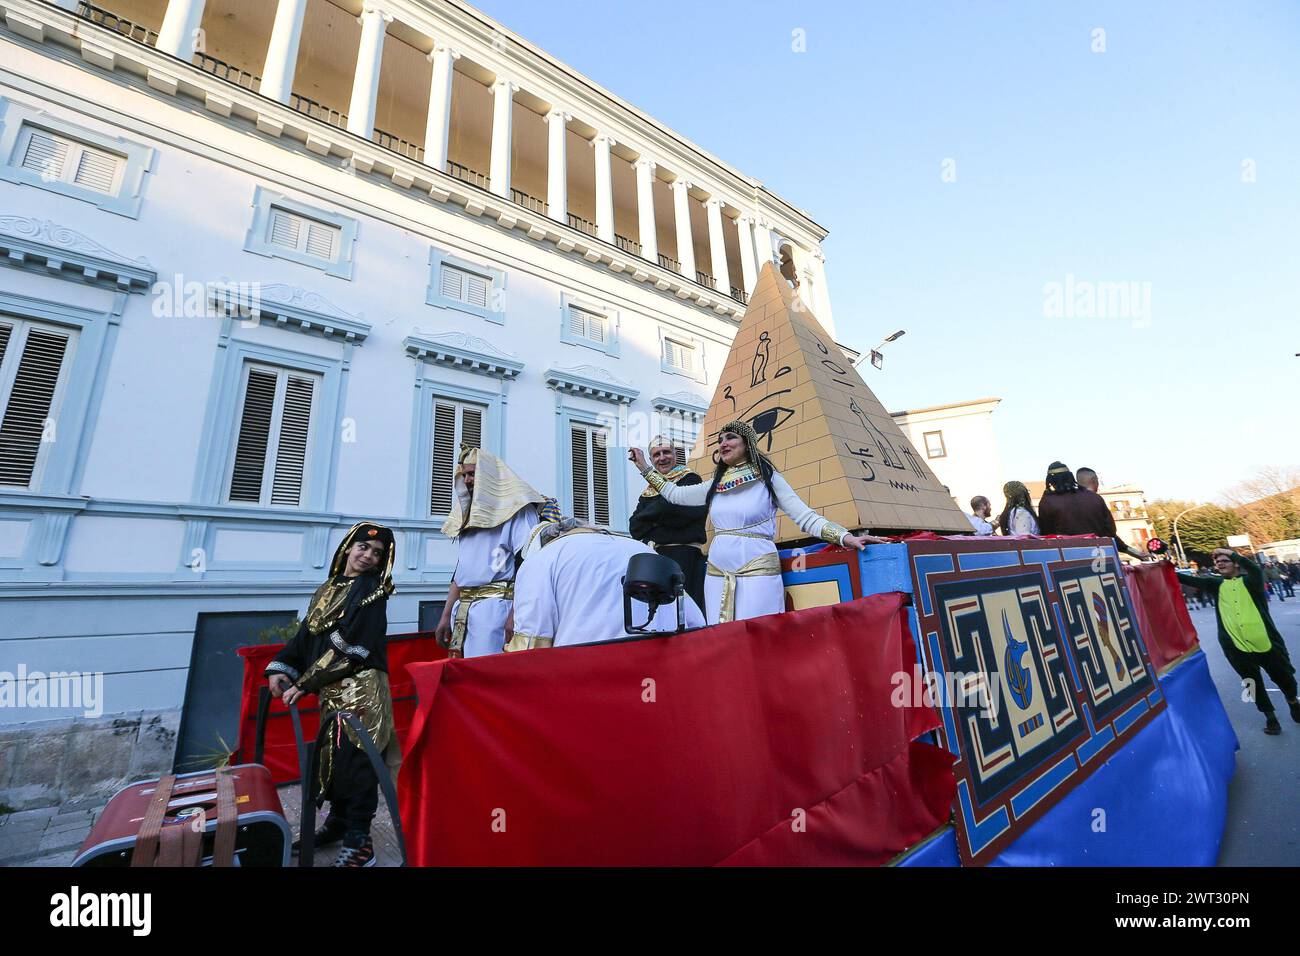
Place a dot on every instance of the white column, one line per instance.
(823, 295)
(682, 213)
(645, 209)
(503, 108)
(557, 165)
(282, 51)
(604, 189)
(748, 268)
(438, 125)
(717, 246)
(762, 244)
(180, 28)
(365, 82)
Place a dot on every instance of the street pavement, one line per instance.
(1263, 826)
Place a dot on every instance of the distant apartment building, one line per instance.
(960, 447)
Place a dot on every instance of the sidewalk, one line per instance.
(52, 836)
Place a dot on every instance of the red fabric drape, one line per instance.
(281, 756)
(768, 741)
(1161, 611)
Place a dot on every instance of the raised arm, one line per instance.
(671, 491)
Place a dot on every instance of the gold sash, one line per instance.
(505, 590)
(764, 564)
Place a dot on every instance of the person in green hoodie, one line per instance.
(1247, 634)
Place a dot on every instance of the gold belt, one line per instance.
(505, 590)
(761, 566)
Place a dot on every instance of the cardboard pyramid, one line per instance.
(819, 423)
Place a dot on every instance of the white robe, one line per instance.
(748, 507)
(486, 555)
(572, 591)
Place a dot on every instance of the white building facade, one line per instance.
(960, 447)
(268, 263)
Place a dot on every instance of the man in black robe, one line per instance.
(675, 531)
(339, 654)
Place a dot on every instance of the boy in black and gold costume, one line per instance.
(339, 655)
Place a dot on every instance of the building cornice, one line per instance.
(589, 381)
(289, 307)
(46, 247)
(465, 352)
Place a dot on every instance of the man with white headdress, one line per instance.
(493, 511)
(570, 589)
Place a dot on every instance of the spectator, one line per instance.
(1247, 634)
(1018, 516)
(979, 516)
(1274, 574)
(1066, 508)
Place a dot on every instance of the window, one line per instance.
(460, 285)
(473, 287)
(33, 360)
(291, 231)
(284, 228)
(680, 357)
(588, 325)
(454, 424)
(588, 450)
(934, 447)
(39, 149)
(59, 159)
(274, 436)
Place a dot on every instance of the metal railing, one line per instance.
(529, 202)
(668, 262)
(129, 29)
(398, 145)
(739, 295)
(467, 175)
(627, 245)
(582, 225)
(704, 279)
(320, 111)
(231, 74)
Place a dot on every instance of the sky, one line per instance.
(983, 167)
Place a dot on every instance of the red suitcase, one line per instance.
(260, 834)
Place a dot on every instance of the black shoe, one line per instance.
(1272, 728)
(1295, 710)
(357, 857)
(331, 832)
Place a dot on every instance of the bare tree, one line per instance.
(1268, 504)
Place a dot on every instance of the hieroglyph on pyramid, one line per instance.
(820, 424)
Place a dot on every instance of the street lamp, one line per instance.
(1182, 555)
(878, 359)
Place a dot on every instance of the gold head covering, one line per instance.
(498, 494)
(329, 605)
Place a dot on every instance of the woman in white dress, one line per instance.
(1018, 515)
(744, 573)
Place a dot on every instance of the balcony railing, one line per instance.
(628, 245)
(582, 225)
(668, 262)
(398, 145)
(529, 202)
(739, 295)
(706, 280)
(231, 74)
(320, 111)
(467, 175)
(133, 31)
